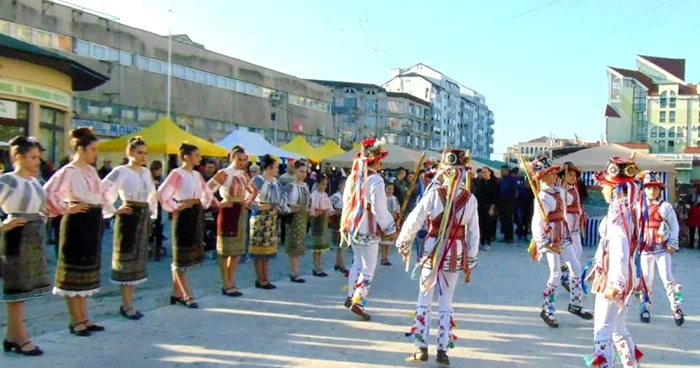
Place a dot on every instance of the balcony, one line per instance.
(491, 121)
(490, 140)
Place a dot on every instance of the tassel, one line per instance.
(585, 274)
(452, 345)
(594, 361)
(678, 296)
(638, 354)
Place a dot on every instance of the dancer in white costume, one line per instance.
(575, 216)
(659, 243)
(552, 240)
(364, 219)
(451, 246)
(615, 277)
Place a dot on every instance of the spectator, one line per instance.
(400, 184)
(254, 170)
(105, 169)
(694, 218)
(507, 197)
(209, 169)
(486, 190)
(519, 210)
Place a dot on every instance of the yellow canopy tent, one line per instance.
(165, 137)
(356, 147)
(300, 146)
(330, 149)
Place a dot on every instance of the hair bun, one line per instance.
(135, 139)
(81, 132)
(18, 141)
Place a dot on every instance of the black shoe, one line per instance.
(386, 262)
(679, 317)
(442, 358)
(134, 317)
(566, 286)
(190, 303)
(549, 319)
(93, 327)
(82, 333)
(348, 302)
(176, 299)
(580, 312)
(340, 269)
(258, 285)
(234, 293)
(10, 346)
(645, 316)
(297, 279)
(421, 355)
(319, 273)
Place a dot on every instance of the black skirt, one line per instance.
(25, 271)
(130, 245)
(188, 238)
(79, 253)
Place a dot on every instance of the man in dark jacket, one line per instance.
(486, 190)
(508, 194)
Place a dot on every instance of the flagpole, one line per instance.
(170, 56)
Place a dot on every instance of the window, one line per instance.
(614, 88)
(128, 113)
(126, 58)
(141, 62)
(222, 82)
(672, 132)
(351, 103)
(371, 105)
(662, 116)
(663, 101)
(147, 115)
(9, 128)
(662, 146)
(190, 74)
(81, 47)
(640, 98)
(672, 101)
(232, 84)
(201, 77)
(654, 132)
(179, 71)
(98, 52)
(240, 86)
(156, 66)
(679, 132)
(111, 54)
(628, 83)
(671, 146)
(672, 117)
(662, 132)
(211, 79)
(273, 117)
(51, 132)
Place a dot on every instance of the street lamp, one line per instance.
(276, 99)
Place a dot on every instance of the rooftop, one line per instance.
(610, 112)
(339, 84)
(408, 96)
(675, 67)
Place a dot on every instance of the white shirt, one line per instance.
(375, 196)
(540, 232)
(181, 185)
(298, 195)
(72, 184)
(20, 195)
(231, 183)
(128, 185)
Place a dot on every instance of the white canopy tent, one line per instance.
(398, 157)
(254, 144)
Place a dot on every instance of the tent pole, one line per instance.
(170, 64)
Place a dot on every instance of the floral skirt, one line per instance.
(319, 233)
(295, 239)
(263, 238)
(232, 233)
(79, 254)
(130, 245)
(25, 271)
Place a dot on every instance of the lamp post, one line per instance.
(275, 101)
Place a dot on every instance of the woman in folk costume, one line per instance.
(268, 204)
(133, 184)
(25, 271)
(575, 215)
(298, 202)
(395, 210)
(233, 185)
(659, 242)
(364, 219)
(334, 225)
(451, 246)
(75, 192)
(185, 194)
(320, 209)
(551, 240)
(616, 273)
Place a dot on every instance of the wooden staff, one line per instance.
(404, 205)
(468, 153)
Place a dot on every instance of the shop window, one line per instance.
(15, 124)
(51, 133)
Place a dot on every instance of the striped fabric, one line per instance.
(590, 238)
(588, 179)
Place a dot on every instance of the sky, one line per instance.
(540, 63)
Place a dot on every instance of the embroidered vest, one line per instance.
(456, 231)
(372, 224)
(652, 229)
(575, 207)
(556, 217)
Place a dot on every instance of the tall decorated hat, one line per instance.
(453, 158)
(373, 150)
(541, 167)
(651, 179)
(618, 170)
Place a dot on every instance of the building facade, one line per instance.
(653, 104)
(363, 110)
(539, 147)
(459, 115)
(211, 94)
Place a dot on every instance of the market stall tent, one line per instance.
(165, 137)
(330, 149)
(300, 146)
(595, 158)
(398, 157)
(255, 145)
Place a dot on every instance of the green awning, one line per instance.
(84, 78)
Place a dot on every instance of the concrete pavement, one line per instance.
(307, 326)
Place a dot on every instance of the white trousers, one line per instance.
(568, 256)
(445, 286)
(673, 289)
(577, 245)
(362, 271)
(610, 329)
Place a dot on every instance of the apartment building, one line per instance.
(362, 110)
(211, 94)
(459, 115)
(653, 104)
(539, 147)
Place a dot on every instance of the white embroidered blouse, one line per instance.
(320, 203)
(128, 185)
(182, 185)
(21, 195)
(72, 183)
(540, 232)
(376, 197)
(298, 195)
(231, 183)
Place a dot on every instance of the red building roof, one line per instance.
(610, 112)
(636, 75)
(691, 150)
(675, 67)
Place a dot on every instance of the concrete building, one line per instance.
(212, 94)
(460, 117)
(541, 146)
(653, 104)
(363, 110)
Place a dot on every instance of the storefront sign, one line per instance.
(106, 129)
(671, 157)
(36, 93)
(8, 109)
